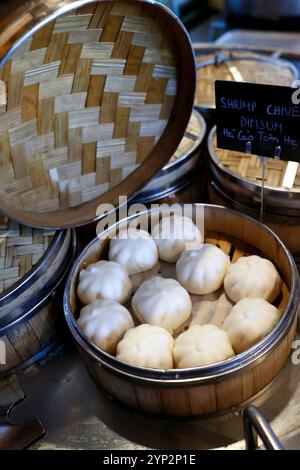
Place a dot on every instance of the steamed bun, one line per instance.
(135, 250)
(105, 322)
(201, 345)
(173, 235)
(162, 302)
(252, 277)
(249, 321)
(202, 271)
(147, 346)
(104, 280)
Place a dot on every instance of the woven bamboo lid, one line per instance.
(94, 103)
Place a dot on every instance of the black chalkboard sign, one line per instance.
(267, 116)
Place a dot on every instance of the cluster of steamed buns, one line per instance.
(163, 305)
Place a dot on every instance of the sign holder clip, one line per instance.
(277, 154)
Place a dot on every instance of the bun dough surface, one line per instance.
(162, 302)
(202, 271)
(249, 321)
(104, 322)
(201, 345)
(135, 250)
(175, 234)
(147, 346)
(104, 280)
(252, 277)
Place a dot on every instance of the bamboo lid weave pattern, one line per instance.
(250, 167)
(20, 249)
(88, 98)
(258, 70)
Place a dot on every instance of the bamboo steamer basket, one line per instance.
(189, 392)
(240, 66)
(237, 181)
(33, 265)
(179, 178)
(93, 104)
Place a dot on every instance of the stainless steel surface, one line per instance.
(270, 10)
(277, 201)
(77, 415)
(15, 436)
(174, 377)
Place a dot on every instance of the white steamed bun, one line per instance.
(147, 346)
(252, 277)
(202, 271)
(162, 302)
(135, 250)
(201, 345)
(249, 321)
(104, 280)
(175, 234)
(105, 322)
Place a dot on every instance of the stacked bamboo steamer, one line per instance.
(237, 65)
(183, 178)
(199, 390)
(237, 182)
(86, 93)
(237, 177)
(33, 266)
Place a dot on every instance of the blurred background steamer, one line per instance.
(183, 178)
(234, 64)
(235, 179)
